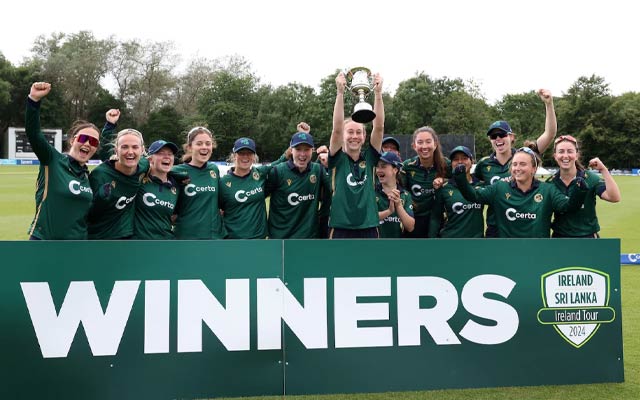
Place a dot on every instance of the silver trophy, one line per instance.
(360, 83)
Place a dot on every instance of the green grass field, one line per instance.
(621, 220)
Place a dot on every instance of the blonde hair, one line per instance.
(128, 131)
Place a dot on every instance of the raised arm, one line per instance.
(39, 144)
(612, 192)
(482, 195)
(335, 143)
(550, 122)
(378, 109)
(108, 135)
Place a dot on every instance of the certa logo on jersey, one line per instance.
(353, 182)
(76, 188)
(151, 200)
(243, 195)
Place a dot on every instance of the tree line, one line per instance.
(227, 96)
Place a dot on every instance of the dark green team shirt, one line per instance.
(155, 204)
(113, 211)
(489, 170)
(353, 205)
(391, 227)
(243, 201)
(583, 221)
(112, 214)
(63, 193)
(419, 182)
(522, 214)
(463, 218)
(295, 196)
(198, 210)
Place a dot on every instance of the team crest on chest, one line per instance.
(213, 174)
(488, 168)
(113, 184)
(289, 182)
(228, 184)
(507, 195)
(451, 193)
(363, 164)
(313, 178)
(173, 190)
(256, 175)
(538, 198)
(413, 173)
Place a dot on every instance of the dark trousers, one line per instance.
(367, 233)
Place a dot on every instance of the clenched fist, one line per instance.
(39, 90)
(112, 116)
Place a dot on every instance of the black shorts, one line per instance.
(367, 233)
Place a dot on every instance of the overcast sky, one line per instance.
(505, 46)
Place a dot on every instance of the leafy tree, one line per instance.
(621, 147)
(461, 113)
(74, 64)
(164, 123)
(229, 107)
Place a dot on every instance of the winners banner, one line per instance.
(203, 319)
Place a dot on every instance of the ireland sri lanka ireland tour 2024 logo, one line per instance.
(576, 303)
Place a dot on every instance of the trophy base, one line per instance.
(363, 116)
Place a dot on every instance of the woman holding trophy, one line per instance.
(354, 213)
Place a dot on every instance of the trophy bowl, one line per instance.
(360, 84)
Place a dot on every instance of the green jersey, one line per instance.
(63, 193)
(198, 211)
(583, 221)
(353, 205)
(112, 211)
(294, 200)
(523, 214)
(419, 181)
(155, 204)
(391, 227)
(242, 198)
(463, 218)
(489, 170)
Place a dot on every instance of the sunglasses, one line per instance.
(82, 138)
(495, 135)
(567, 138)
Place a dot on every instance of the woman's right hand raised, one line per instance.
(112, 116)
(39, 90)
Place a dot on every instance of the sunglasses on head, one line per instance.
(567, 138)
(82, 138)
(529, 152)
(499, 134)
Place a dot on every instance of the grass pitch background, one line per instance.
(17, 207)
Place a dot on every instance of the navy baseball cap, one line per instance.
(392, 158)
(301, 138)
(158, 144)
(461, 149)
(500, 125)
(244, 143)
(392, 140)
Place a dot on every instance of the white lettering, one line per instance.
(506, 317)
(353, 182)
(55, 332)
(76, 188)
(196, 304)
(294, 198)
(191, 189)
(123, 201)
(156, 316)
(151, 200)
(347, 312)
(276, 304)
(411, 317)
(241, 195)
(512, 214)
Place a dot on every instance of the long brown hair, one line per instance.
(570, 139)
(191, 136)
(438, 159)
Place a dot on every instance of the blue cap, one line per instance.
(500, 125)
(158, 144)
(392, 158)
(461, 149)
(301, 138)
(244, 143)
(392, 140)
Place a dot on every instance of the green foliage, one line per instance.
(165, 124)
